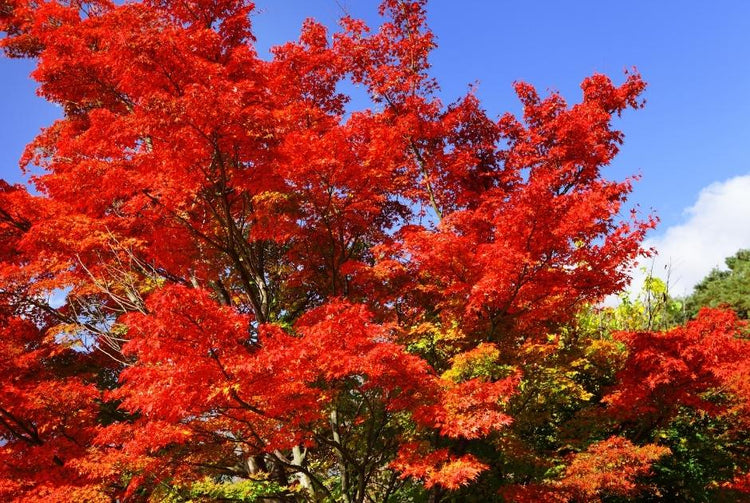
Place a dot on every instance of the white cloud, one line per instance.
(715, 227)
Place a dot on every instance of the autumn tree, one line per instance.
(265, 295)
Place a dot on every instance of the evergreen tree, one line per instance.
(724, 288)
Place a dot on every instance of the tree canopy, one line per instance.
(728, 288)
(228, 286)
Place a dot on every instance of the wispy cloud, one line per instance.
(715, 227)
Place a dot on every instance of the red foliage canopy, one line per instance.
(251, 278)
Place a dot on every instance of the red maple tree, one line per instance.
(267, 295)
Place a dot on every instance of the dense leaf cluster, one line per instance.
(729, 288)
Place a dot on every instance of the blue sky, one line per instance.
(692, 140)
